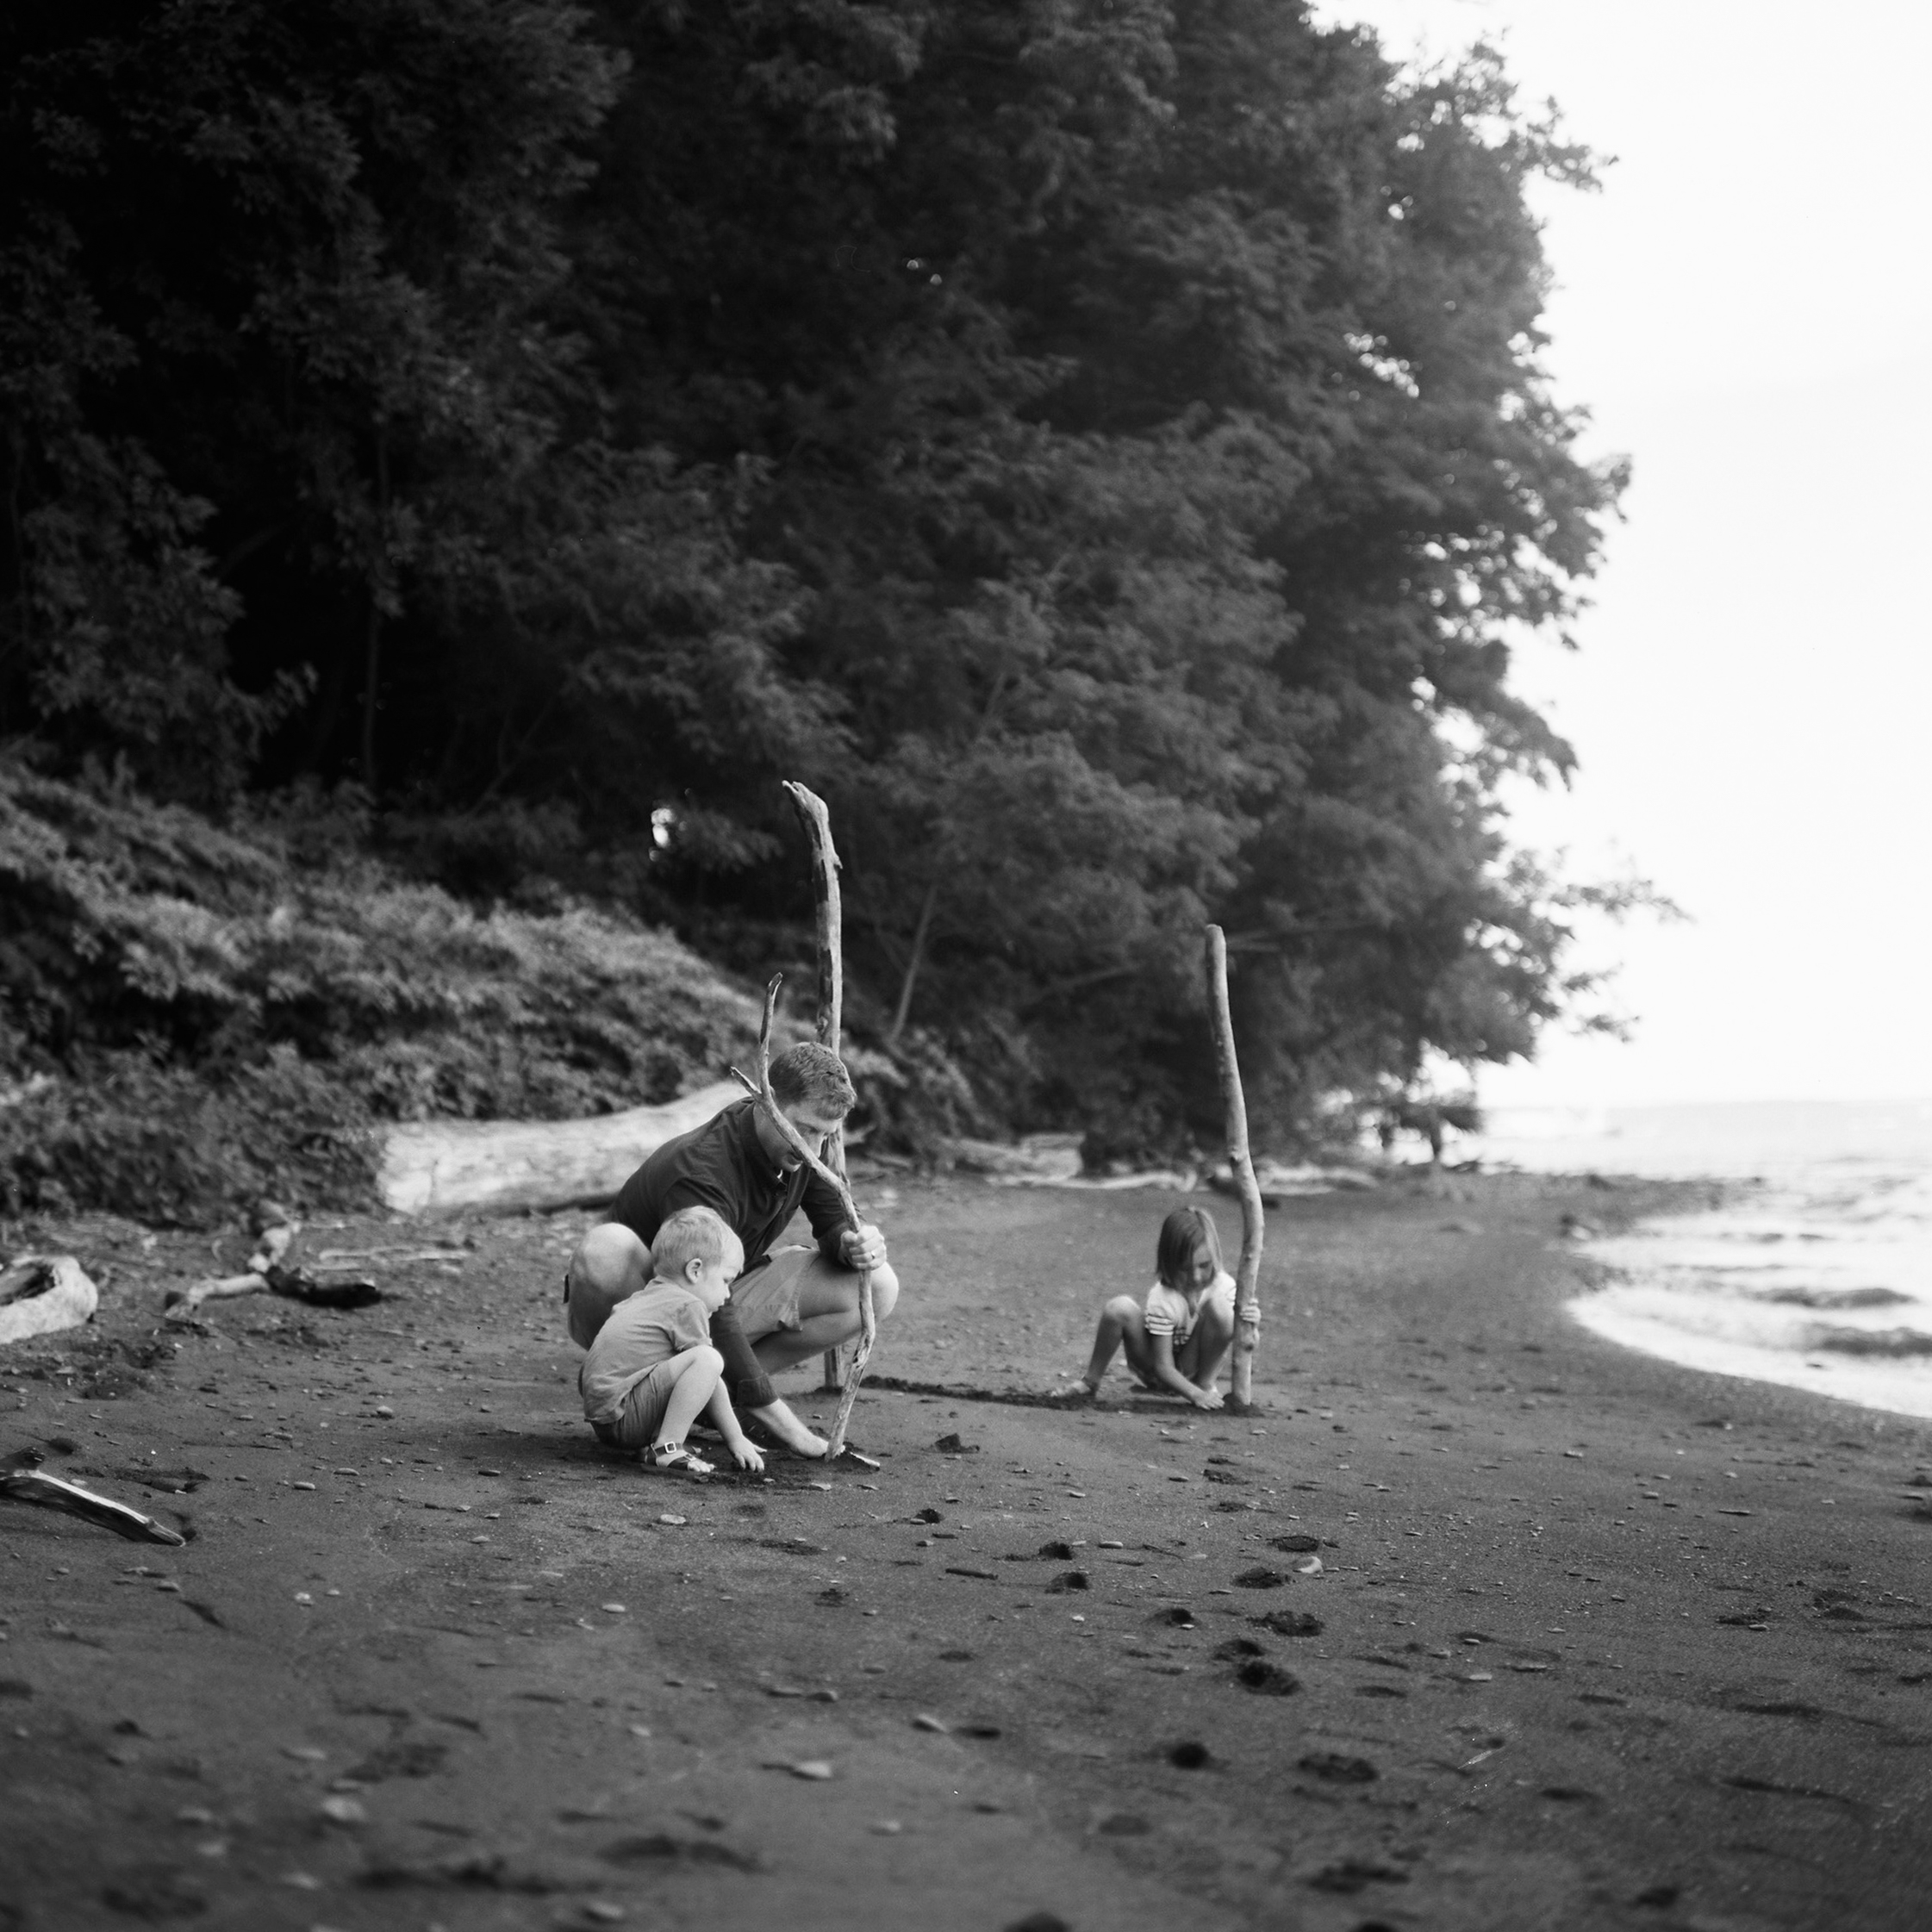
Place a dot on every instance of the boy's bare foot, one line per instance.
(787, 1431)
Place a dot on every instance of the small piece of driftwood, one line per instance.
(273, 1239)
(267, 1272)
(41, 1295)
(56, 1493)
(1247, 1300)
(868, 1327)
(816, 819)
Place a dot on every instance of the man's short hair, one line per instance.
(812, 1075)
(693, 1234)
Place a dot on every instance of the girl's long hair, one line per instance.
(1184, 1234)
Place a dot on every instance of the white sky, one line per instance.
(1747, 308)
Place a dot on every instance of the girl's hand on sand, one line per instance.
(746, 1456)
(1207, 1399)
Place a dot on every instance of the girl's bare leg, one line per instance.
(698, 1371)
(1120, 1328)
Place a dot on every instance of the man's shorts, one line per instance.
(766, 1299)
(643, 1413)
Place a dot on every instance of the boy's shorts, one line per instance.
(642, 1414)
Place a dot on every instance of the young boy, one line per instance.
(651, 1370)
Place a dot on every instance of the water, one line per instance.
(1820, 1278)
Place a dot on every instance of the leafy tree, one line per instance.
(1100, 442)
(276, 372)
(1155, 423)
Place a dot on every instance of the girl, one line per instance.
(1180, 1338)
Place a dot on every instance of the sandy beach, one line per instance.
(1596, 1640)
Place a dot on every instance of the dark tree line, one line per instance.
(1100, 445)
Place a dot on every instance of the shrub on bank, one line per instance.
(194, 1015)
(165, 1144)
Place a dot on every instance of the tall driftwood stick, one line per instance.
(816, 820)
(869, 1330)
(1247, 1303)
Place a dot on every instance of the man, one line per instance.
(787, 1306)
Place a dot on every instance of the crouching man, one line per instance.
(788, 1305)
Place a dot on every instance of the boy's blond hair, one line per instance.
(693, 1234)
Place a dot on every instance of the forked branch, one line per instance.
(760, 1089)
(815, 817)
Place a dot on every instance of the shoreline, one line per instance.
(1753, 1286)
(1548, 1688)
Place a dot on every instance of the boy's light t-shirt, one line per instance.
(659, 1321)
(1168, 1311)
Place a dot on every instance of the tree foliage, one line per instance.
(1100, 443)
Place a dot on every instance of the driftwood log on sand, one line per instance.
(443, 1166)
(75, 1498)
(41, 1295)
(1247, 1303)
(272, 1269)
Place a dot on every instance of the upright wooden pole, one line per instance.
(816, 820)
(1247, 1302)
(760, 1088)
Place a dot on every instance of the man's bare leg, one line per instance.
(828, 1316)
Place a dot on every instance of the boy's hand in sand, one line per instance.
(746, 1453)
(1207, 1399)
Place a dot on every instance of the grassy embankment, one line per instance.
(192, 1016)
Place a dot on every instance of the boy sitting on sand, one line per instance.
(651, 1370)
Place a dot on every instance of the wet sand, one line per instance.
(1597, 1641)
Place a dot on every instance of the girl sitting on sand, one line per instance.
(1179, 1338)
